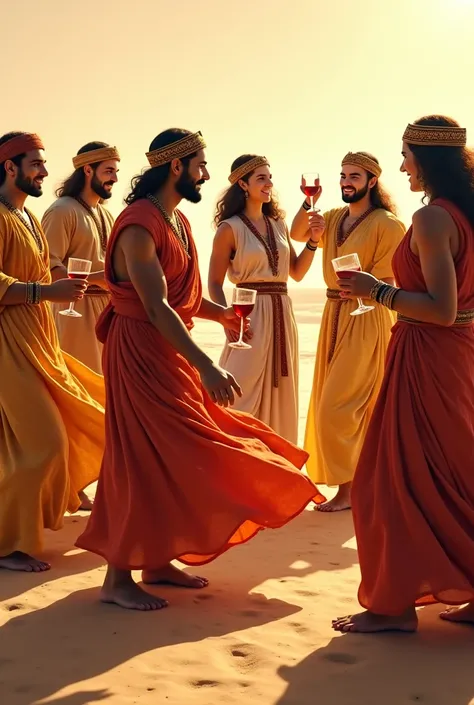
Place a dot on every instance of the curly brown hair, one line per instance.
(232, 201)
(446, 172)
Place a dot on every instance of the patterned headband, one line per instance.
(94, 156)
(19, 145)
(177, 150)
(365, 162)
(246, 168)
(435, 135)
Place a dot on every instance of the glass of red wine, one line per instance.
(76, 269)
(343, 266)
(310, 186)
(243, 301)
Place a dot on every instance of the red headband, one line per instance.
(19, 145)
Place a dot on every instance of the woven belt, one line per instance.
(276, 290)
(94, 290)
(334, 295)
(462, 318)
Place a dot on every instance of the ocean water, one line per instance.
(308, 306)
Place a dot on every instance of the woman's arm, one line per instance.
(435, 238)
(222, 249)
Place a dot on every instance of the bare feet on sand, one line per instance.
(341, 501)
(170, 575)
(86, 503)
(23, 562)
(369, 623)
(464, 613)
(120, 589)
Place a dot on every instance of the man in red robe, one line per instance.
(182, 477)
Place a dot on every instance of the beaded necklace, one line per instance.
(99, 224)
(177, 227)
(341, 237)
(29, 224)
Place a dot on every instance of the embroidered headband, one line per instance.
(19, 145)
(95, 156)
(435, 135)
(365, 162)
(177, 150)
(246, 168)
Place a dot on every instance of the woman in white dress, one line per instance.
(252, 246)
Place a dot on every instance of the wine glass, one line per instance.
(343, 266)
(243, 301)
(310, 186)
(76, 269)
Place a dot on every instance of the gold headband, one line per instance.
(177, 150)
(246, 168)
(365, 162)
(435, 135)
(94, 156)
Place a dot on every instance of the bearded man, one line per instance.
(351, 348)
(182, 477)
(78, 225)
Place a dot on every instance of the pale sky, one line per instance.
(300, 81)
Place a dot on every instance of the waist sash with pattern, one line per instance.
(276, 290)
(463, 318)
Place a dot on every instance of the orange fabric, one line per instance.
(413, 493)
(19, 145)
(181, 478)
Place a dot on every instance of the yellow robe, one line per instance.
(51, 406)
(351, 352)
(72, 232)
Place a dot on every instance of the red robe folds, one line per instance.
(181, 477)
(413, 493)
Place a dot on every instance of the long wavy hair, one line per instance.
(74, 184)
(380, 197)
(16, 160)
(152, 179)
(446, 172)
(232, 201)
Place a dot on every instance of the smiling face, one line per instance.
(28, 177)
(410, 167)
(102, 178)
(355, 183)
(259, 185)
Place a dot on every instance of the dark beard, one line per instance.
(357, 196)
(186, 188)
(26, 185)
(99, 189)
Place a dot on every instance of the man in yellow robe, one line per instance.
(351, 349)
(78, 225)
(51, 406)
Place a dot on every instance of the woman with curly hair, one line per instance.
(252, 246)
(413, 492)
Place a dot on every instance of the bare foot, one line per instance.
(23, 562)
(341, 501)
(464, 613)
(86, 503)
(170, 575)
(369, 623)
(120, 589)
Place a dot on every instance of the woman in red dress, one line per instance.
(413, 494)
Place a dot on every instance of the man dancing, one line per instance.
(182, 476)
(78, 225)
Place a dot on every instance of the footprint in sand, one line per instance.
(307, 593)
(204, 684)
(12, 607)
(340, 657)
(298, 627)
(246, 657)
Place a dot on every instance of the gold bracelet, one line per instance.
(375, 290)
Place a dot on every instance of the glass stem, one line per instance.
(71, 306)
(241, 339)
(311, 204)
(360, 302)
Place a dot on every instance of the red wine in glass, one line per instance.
(77, 275)
(346, 273)
(310, 186)
(242, 310)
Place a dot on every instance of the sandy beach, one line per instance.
(262, 629)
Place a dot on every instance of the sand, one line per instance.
(262, 630)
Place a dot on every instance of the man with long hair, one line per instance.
(182, 476)
(51, 406)
(351, 349)
(78, 225)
